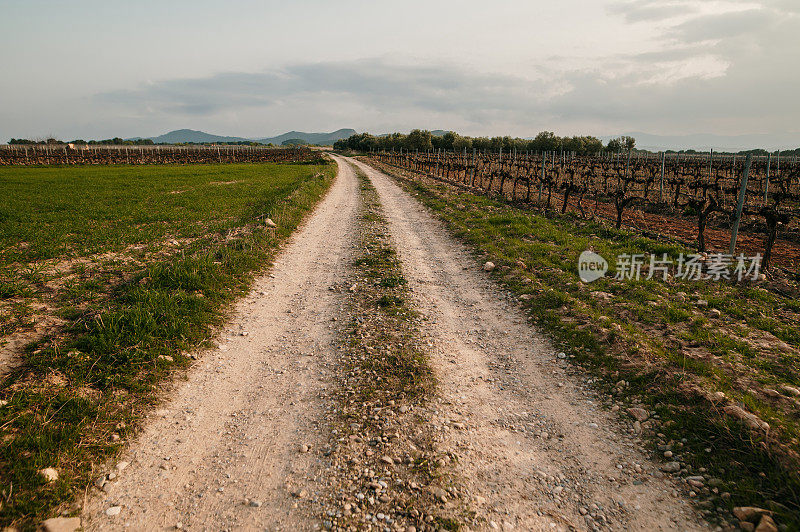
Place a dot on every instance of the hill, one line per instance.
(324, 139)
(190, 135)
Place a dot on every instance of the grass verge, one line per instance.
(131, 319)
(686, 351)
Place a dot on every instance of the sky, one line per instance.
(98, 69)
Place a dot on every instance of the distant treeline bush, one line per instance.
(424, 140)
(117, 141)
(114, 141)
(231, 143)
(755, 152)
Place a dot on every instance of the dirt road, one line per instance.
(535, 450)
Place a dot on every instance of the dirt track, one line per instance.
(535, 451)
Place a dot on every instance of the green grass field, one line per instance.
(110, 276)
(669, 346)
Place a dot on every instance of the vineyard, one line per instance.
(101, 155)
(704, 199)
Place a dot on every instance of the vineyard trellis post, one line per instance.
(710, 162)
(541, 179)
(472, 181)
(661, 185)
(740, 202)
(627, 164)
(766, 181)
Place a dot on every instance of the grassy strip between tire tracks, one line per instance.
(79, 393)
(386, 460)
(656, 345)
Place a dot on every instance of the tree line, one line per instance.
(424, 140)
(758, 152)
(117, 141)
(105, 142)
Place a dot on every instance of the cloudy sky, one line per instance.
(95, 69)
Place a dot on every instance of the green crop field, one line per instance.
(109, 275)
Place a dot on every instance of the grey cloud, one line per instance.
(198, 96)
(668, 55)
(651, 10)
(736, 18)
(752, 88)
(727, 26)
(786, 6)
(415, 93)
(372, 82)
(660, 10)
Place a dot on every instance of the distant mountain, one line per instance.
(190, 135)
(705, 142)
(324, 139)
